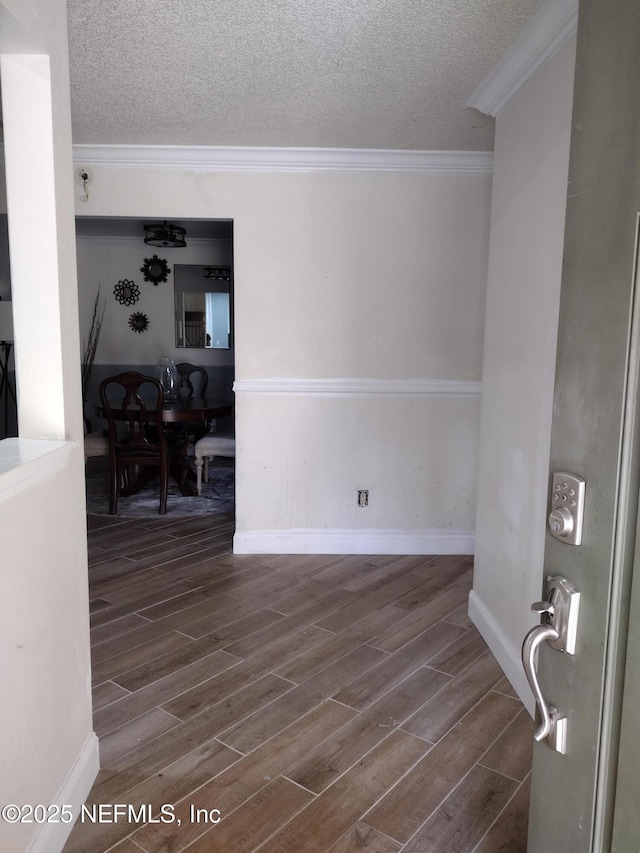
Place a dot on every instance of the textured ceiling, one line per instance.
(291, 73)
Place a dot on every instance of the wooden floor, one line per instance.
(318, 703)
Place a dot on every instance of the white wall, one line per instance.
(344, 276)
(49, 752)
(527, 227)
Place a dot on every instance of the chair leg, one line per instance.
(199, 474)
(164, 485)
(113, 488)
(206, 469)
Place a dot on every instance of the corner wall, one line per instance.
(531, 161)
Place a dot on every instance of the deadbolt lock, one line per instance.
(561, 522)
(567, 507)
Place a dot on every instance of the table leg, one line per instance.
(180, 465)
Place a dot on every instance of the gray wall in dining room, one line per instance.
(106, 261)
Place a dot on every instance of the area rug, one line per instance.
(218, 495)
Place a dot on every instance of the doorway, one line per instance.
(111, 252)
(135, 287)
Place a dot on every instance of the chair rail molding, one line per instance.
(204, 158)
(551, 26)
(351, 386)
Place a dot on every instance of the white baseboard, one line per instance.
(311, 541)
(74, 792)
(502, 650)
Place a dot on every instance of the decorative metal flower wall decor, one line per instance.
(155, 270)
(126, 292)
(139, 322)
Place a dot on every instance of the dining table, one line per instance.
(178, 415)
(192, 410)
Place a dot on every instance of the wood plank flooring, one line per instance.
(312, 703)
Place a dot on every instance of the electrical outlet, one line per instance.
(363, 497)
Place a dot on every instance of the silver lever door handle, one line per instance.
(560, 630)
(532, 643)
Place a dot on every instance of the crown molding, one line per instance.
(338, 386)
(256, 160)
(552, 25)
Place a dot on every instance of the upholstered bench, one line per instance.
(206, 448)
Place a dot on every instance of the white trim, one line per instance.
(338, 386)
(24, 462)
(74, 792)
(501, 648)
(552, 25)
(203, 158)
(312, 541)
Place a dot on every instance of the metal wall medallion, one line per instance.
(126, 292)
(139, 322)
(155, 269)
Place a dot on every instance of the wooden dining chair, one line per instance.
(132, 404)
(187, 373)
(190, 374)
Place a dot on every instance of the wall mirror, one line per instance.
(203, 306)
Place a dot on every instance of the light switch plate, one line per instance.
(567, 507)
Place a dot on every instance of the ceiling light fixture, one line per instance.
(165, 235)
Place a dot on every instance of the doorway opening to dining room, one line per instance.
(141, 295)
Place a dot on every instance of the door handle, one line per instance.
(550, 717)
(559, 628)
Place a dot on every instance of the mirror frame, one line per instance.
(182, 288)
